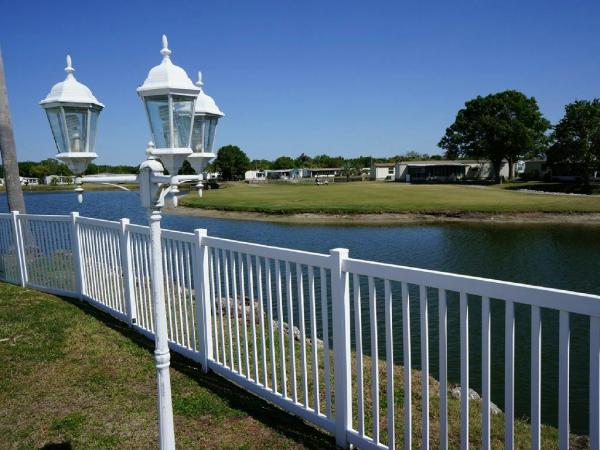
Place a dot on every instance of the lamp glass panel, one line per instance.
(158, 115)
(94, 114)
(183, 108)
(76, 120)
(57, 127)
(209, 133)
(198, 133)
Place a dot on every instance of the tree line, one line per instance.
(509, 126)
(504, 126)
(50, 166)
(232, 162)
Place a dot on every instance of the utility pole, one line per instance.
(8, 150)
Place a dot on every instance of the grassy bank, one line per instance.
(74, 378)
(378, 197)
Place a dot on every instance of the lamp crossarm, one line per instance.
(133, 179)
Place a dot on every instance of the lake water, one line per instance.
(560, 256)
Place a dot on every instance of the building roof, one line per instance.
(315, 169)
(392, 164)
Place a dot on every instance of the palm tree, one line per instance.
(8, 150)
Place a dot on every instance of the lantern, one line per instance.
(206, 116)
(169, 97)
(73, 112)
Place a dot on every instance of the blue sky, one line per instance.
(345, 77)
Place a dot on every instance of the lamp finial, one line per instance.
(165, 50)
(69, 69)
(199, 83)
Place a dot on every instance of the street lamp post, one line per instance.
(169, 98)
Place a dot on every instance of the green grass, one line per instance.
(73, 377)
(379, 197)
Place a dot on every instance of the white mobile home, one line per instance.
(383, 171)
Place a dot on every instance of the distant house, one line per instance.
(285, 174)
(58, 179)
(534, 169)
(255, 175)
(318, 172)
(27, 181)
(445, 171)
(212, 175)
(383, 171)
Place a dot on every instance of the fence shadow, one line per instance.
(268, 414)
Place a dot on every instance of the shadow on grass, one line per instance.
(57, 446)
(238, 398)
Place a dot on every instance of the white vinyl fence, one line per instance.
(315, 333)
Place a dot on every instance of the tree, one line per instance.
(232, 162)
(350, 168)
(283, 162)
(8, 150)
(260, 164)
(506, 125)
(575, 140)
(303, 160)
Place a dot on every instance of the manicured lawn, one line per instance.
(380, 197)
(74, 378)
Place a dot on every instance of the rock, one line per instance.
(473, 395)
(456, 393)
(494, 409)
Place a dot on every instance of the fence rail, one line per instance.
(331, 339)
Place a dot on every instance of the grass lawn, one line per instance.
(72, 377)
(380, 197)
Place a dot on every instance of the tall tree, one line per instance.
(283, 162)
(232, 162)
(8, 149)
(575, 140)
(506, 125)
(303, 160)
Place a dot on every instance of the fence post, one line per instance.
(202, 290)
(76, 249)
(126, 267)
(19, 248)
(340, 298)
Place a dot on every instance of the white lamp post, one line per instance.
(169, 98)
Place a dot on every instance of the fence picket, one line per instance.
(407, 367)
(359, 356)
(464, 372)
(443, 349)
(283, 379)
(389, 359)
(485, 372)
(536, 385)
(509, 376)
(374, 360)
(563, 380)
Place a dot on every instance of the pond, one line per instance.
(559, 256)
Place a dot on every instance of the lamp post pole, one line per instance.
(162, 356)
